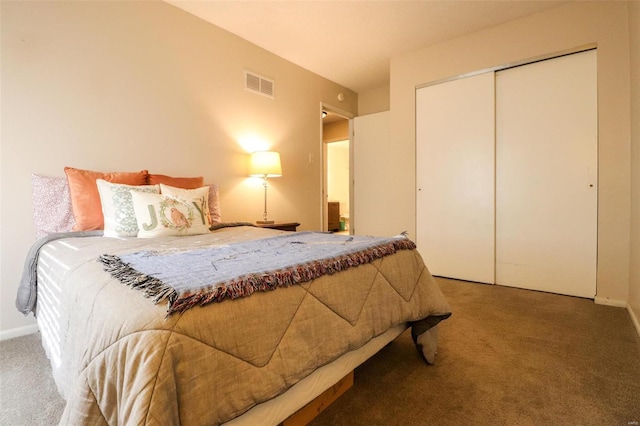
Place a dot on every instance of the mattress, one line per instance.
(118, 358)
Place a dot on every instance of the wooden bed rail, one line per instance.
(307, 413)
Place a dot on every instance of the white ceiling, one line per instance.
(351, 42)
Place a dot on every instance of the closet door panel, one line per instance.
(546, 188)
(455, 178)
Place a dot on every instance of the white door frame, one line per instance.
(590, 173)
(323, 153)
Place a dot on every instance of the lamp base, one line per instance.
(264, 222)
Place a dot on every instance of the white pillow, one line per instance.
(117, 207)
(160, 215)
(186, 194)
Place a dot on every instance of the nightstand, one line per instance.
(282, 226)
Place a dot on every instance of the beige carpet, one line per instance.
(28, 395)
(506, 357)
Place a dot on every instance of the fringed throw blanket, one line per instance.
(199, 277)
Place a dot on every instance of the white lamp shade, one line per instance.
(265, 164)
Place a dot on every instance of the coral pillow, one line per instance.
(85, 199)
(214, 203)
(178, 182)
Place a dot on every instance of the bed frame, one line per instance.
(311, 395)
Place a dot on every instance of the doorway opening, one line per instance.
(337, 168)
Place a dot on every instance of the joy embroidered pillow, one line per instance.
(201, 193)
(117, 207)
(161, 215)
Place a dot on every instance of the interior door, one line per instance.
(546, 180)
(455, 177)
(373, 214)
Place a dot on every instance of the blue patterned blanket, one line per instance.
(202, 276)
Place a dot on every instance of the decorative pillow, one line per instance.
(85, 199)
(214, 204)
(117, 207)
(161, 215)
(178, 182)
(51, 205)
(199, 193)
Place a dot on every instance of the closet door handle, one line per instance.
(592, 177)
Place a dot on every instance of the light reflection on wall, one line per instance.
(252, 142)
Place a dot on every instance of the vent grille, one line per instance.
(258, 84)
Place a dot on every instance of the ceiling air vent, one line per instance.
(258, 84)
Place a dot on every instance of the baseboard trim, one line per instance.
(610, 302)
(19, 331)
(634, 318)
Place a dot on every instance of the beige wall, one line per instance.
(566, 27)
(335, 131)
(375, 100)
(634, 278)
(133, 85)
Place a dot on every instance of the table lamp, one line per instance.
(265, 164)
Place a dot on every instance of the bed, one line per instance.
(118, 357)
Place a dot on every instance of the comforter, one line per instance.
(118, 359)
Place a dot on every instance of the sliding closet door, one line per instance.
(546, 176)
(455, 178)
